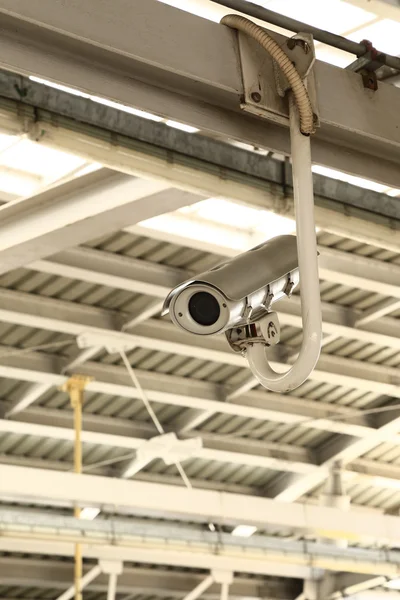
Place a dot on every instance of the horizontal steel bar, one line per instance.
(326, 37)
(195, 505)
(180, 67)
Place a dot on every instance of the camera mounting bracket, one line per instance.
(264, 83)
(266, 331)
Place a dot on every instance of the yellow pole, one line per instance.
(75, 388)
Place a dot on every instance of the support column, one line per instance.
(75, 388)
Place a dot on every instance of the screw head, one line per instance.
(256, 97)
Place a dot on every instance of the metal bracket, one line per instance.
(265, 85)
(265, 331)
(75, 386)
(367, 65)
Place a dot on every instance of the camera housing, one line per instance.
(236, 292)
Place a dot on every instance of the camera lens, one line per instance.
(204, 308)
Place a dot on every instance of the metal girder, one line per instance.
(357, 271)
(338, 450)
(196, 539)
(196, 505)
(191, 74)
(80, 210)
(56, 424)
(91, 129)
(55, 315)
(189, 393)
(37, 390)
(200, 560)
(140, 276)
(256, 454)
(56, 574)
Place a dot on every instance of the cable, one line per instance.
(270, 45)
(141, 391)
(19, 351)
(108, 461)
(151, 412)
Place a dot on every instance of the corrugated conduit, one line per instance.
(299, 90)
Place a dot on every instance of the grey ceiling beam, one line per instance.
(129, 435)
(197, 81)
(140, 276)
(73, 319)
(79, 210)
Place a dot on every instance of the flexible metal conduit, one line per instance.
(331, 39)
(270, 45)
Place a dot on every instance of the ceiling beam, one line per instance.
(144, 147)
(204, 92)
(192, 394)
(341, 450)
(224, 561)
(79, 210)
(203, 506)
(73, 319)
(56, 574)
(130, 435)
(215, 448)
(139, 276)
(37, 390)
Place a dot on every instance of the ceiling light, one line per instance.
(89, 513)
(128, 109)
(182, 126)
(62, 88)
(358, 181)
(123, 107)
(244, 531)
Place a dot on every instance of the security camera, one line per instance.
(237, 294)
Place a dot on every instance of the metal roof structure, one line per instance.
(104, 208)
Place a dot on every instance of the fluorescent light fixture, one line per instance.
(358, 181)
(181, 126)
(128, 109)
(244, 531)
(56, 86)
(393, 193)
(89, 513)
(179, 230)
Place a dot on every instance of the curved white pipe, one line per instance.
(308, 267)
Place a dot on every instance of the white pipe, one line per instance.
(224, 591)
(86, 579)
(308, 267)
(199, 589)
(112, 586)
